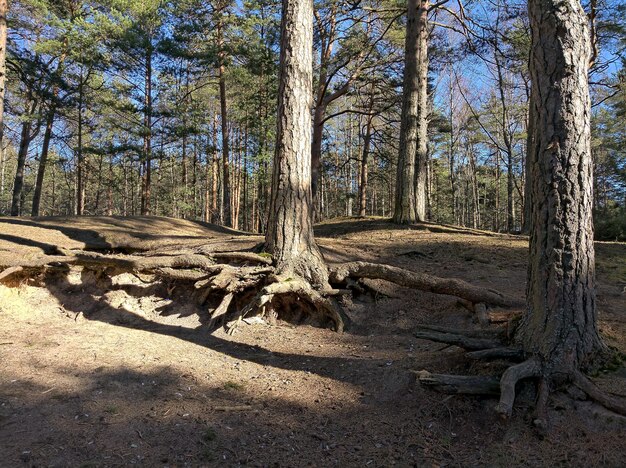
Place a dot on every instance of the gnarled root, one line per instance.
(422, 281)
(298, 288)
(524, 370)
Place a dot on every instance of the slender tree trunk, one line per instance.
(25, 139)
(414, 110)
(43, 161)
(224, 117)
(215, 166)
(80, 168)
(4, 8)
(147, 139)
(560, 325)
(530, 142)
(421, 163)
(290, 230)
(364, 157)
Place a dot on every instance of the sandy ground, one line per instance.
(94, 373)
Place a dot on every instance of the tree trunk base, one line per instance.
(483, 346)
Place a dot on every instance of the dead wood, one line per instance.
(461, 341)
(497, 353)
(489, 333)
(460, 384)
(421, 281)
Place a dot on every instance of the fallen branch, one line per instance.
(497, 353)
(462, 341)
(460, 384)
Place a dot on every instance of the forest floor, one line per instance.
(127, 373)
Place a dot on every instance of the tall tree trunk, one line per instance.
(560, 325)
(221, 55)
(364, 157)
(215, 167)
(289, 235)
(80, 167)
(530, 143)
(43, 161)
(147, 139)
(4, 8)
(25, 138)
(414, 108)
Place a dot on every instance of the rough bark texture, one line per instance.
(3, 68)
(290, 231)
(224, 119)
(414, 105)
(421, 281)
(25, 140)
(560, 324)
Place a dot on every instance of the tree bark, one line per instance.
(560, 324)
(4, 8)
(221, 55)
(43, 161)
(147, 139)
(25, 138)
(411, 180)
(289, 235)
(80, 164)
(364, 160)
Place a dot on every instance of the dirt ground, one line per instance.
(94, 373)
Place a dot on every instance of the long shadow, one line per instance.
(368, 372)
(90, 237)
(49, 249)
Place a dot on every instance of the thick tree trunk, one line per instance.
(414, 118)
(290, 230)
(560, 325)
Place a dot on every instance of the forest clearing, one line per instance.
(96, 374)
(312, 232)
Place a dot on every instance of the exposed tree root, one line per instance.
(297, 288)
(532, 368)
(421, 281)
(524, 370)
(234, 276)
(593, 392)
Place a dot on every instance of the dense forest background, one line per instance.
(119, 107)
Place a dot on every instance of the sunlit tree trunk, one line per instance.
(410, 202)
(560, 324)
(290, 230)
